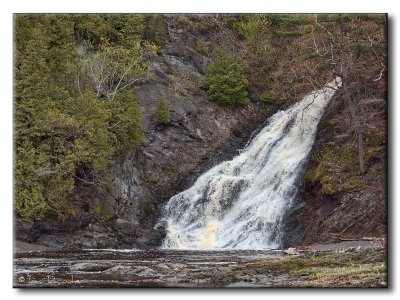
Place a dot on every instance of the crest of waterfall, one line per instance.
(240, 204)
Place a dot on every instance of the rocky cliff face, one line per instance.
(171, 155)
(200, 134)
(336, 201)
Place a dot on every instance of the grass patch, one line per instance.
(358, 268)
(297, 21)
(336, 171)
(289, 33)
(352, 268)
(202, 48)
(267, 98)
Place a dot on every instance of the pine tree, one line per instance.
(33, 105)
(225, 79)
(65, 134)
(126, 121)
(162, 114)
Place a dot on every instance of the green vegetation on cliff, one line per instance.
(161, 113)
(226, 80)
(288, 56)
(74, 107)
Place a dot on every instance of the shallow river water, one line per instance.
(364, 260)
(132, 268)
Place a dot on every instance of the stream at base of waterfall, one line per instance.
(364, 261)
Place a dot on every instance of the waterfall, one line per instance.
(240, 204)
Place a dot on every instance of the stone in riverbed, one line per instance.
(122, 269)
(89, 267)
(291, 251)
(148, 271)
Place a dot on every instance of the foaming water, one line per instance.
(240, 204)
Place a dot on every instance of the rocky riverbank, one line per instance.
(349, 264)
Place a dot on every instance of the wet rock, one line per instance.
(178, 266)
(150, 238)
(345, 246)
(163, 266)
(249, 278)
(293, 231)
(54, 241)
(291, 251)
(89, 267)
(147, 271)
(64, 269)
(122, 269)
(93, 236)
(24, 247)
(25, 231)
(198, 268)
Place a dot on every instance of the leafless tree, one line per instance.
(115, 68)
(355, 50)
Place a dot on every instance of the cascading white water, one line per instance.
(240, 204)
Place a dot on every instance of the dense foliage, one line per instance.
(74, 106)
(75, 109)
(255, 31)
(226, 80)
(161, 113)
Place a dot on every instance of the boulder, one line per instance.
(291, 251)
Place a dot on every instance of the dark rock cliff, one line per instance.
(335, 202)
(201, 134)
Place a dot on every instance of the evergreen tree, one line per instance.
(126, 121)
(35, 137)
(225, 79)
(65, 134)
(162, 115)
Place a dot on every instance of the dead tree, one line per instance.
(356, 52)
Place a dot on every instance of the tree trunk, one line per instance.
(359, 132)
(361, 153)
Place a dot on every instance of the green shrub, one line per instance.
(65, 134)
(298, 20)
(106, 218)
(145, 207)
(256, 33)
(348, 159)
(109, 186)
(126, 121)
(267, 98)
(97, 208)
(201, 47)
(154, 29)
(289, 33)
(254, 29)
(161, 113)
(225, 79)
(93, 28)
(309, 55)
